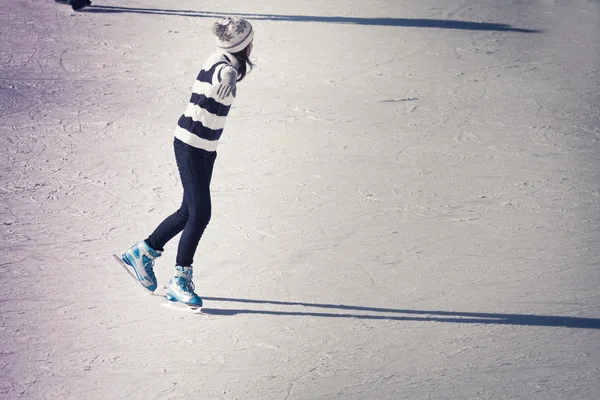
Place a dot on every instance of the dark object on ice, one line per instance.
(80, 4)
(76, 4)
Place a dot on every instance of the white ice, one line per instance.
(406, 201)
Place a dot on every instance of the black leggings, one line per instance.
(195, 170)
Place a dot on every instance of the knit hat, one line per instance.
(233, 34)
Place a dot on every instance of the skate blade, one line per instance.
(175, 305)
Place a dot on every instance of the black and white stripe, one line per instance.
(202, 123)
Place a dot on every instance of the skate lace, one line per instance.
(149, 266)
(186, 284)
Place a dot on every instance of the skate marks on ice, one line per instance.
(159, 292)
(381, 21)
(373, 313)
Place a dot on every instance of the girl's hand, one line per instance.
(228, 83)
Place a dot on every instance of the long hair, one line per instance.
(245, 63)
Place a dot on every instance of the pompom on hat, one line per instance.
(233, 34)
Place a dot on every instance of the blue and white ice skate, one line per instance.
(139, 261)
(181, 289)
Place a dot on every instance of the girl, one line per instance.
(196, 138)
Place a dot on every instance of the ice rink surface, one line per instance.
(406, 201)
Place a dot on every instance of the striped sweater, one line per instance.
(201, 125)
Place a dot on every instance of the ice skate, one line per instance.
(181, 289)
(139, 260)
